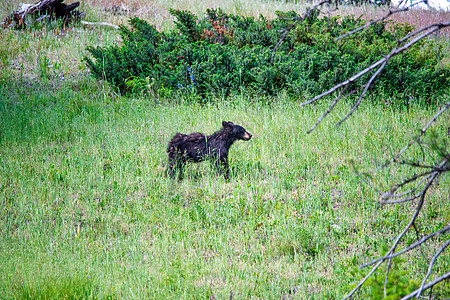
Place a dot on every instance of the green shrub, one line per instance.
(226, 54)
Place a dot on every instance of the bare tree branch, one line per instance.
(399, 237)
(397, 50)
(396, 157)
(429, 285)
(344, 83)
(428, 178)
(391, 192)
(423, 181)
(412, 246)
(332, 105)
(431, 266)
(363, 92)
(422, 132)
(410, 191)
(361, 282)
(401, 200)
(378, 20)
(438, 169)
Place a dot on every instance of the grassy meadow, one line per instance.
(88, 212)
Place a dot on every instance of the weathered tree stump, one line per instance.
(41, 10)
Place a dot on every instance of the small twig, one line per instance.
(418, 238)
(401, 200)
(391, 192)
(364, 92)
(397, 50)
(431, 266)
(361, 282)
(416, 165)
(416, 213)
(423, 240)
(331, 106)
(399, 237)
(429, 285)
(409, 35)
(344, 83)
(376, 21)
(410, 191)
(422, 132)
(436, 170)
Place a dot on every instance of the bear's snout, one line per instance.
(247, 136)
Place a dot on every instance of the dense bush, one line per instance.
(223, 54)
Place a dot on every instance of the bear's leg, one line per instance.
(180, 166)
(170, 168)
(222, 166)
(175, 164)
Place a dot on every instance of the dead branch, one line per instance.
(412, 246)
(369, 83)
(343, 84)
(417, 139)
(437, 169)
(422, 181)
(431, 266)
(410, 191)
(391, 191)
(397, 50)
(332, 105)
(378, 20)
(429, 285)
(399, 237)
(50, 8)
(422, 132)
(361, 282)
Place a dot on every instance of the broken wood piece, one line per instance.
(100, 24)
(52, 8)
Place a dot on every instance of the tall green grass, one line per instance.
(86, 210)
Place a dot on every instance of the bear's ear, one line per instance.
(226, 124)
(231, 123)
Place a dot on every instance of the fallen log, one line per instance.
(41, 10)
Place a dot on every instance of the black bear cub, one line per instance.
(196, 147)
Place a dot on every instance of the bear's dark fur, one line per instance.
(196, 147)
